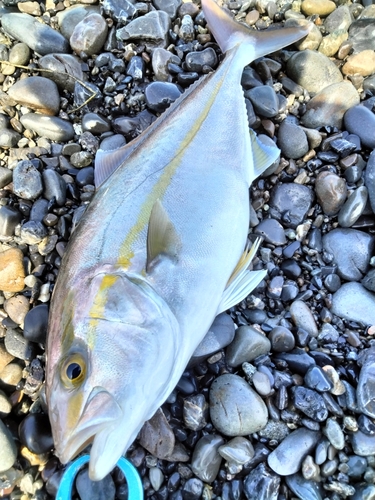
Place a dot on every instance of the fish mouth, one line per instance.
(100, 411)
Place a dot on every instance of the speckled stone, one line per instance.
(332, 42)
(12, 272)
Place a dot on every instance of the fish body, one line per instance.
(157, 255)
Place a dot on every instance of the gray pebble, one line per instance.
(9, 219)
(152, 28)
(235, 408)
(186, 31)
(310, 402)
(27, 180)
(206, 460)
(287, 458)
(369, 280)
(52, 127)
(120, 10)
(351, 251)
(334, 434)
(292, 140)
(9, 138)
(316, 378)
(360, 120)
(362, 35)
(62, 68)
(272, 231)
(262, 383)
(168, 6)
(238, 450)
(39, 37)
(195, 61)
(365, 388)
(16, 345)
(54, 187)
(32, 232)
(364, 492)
(353, 208)
(363, 444)
(220, 334)
(247, 345)
(339, 19)
(6, 176)
(303, 488)
(113, 142)
(265, 101)
(313, 71)
(303, 318)
(159, 95)
(329, 105)
(95, 123)
(39, 210)
(19, 54)
(261, 484)
(70, 17)
(156, 478)
(89, 35)
(8, 449)
(290, 203)
(353, 302)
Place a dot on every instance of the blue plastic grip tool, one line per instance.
(131, 475)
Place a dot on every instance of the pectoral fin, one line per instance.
(263, 156)
(162, 238)
(242, 281)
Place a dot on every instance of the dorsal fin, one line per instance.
(162, 238)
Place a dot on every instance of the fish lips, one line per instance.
(100, 411)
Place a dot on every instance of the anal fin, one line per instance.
(242, 281)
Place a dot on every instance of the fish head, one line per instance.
(109, 369)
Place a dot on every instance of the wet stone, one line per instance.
(85, 176)
(95, 490)
(303, 318)
(290, 203)
(368, 281)
(168, 6)
(9, 219)
(261, 484)
(192, 489)
(235, 408)
(247, 345)
(206, 460)
(89, 35)
(282, 339)
(159, 95)
(315, 378)
(27, 180)
(195, 61)
(310, 403)
(39, 37)
(5, 176)
(334, 434)
(70, 17)
(353, 208)
(370, 179)
(287, 458)
(35, 324)
(298, 360)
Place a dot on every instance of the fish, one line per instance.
(160, 251)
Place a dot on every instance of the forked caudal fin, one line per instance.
(252, 44)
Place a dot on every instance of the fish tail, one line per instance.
(253, 44)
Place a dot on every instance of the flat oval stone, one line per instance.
(331, 192)
(363, 445)
(264, 99)
(54, 186)
(238, 450)
(235, 408)
(39, 37)
(38, 93)
(304, 488)
(70, 17)
(339, 19)
(282, 339)
(320, 7)
(313, 71)
(52, 127)
(292, 140)
(362, 64)
(353, 302)
(303, 318)
(360, 120)
(159, 95)
(366, 387)
(351, 250)
(287, 458)
(62, 68)
(334, 434)
(247, 345)
(353, 208)
(17, 307)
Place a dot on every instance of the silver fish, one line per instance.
(160, 251)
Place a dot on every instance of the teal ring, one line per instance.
(131, 475)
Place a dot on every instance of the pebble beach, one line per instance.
(278, 401)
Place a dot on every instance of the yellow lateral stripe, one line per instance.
(158, 191)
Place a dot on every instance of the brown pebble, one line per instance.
(362, 64)
(331, 192)
(5, 357)
(320, 7)
(269, 127)
(17, 307)
(12, 272)
(11, 375)
(252, 17)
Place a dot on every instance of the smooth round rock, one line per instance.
(206, 460)
(331, 192)
(282, 339)
(235, 408)
(64, 70)
(238, 450)
(35, 433)
(17, 307)
(27, 180)
(339, 19)
(95, 123)
(353, 208)
(52, 127)
(353, 302)
(38, 93)
(71, 16)
(247, 345)
(8, 449)
(304, 488)
(287, 458)
(35, 324)
(360, 120)
(316, 378)
(9, 219)
(303, 318)
(313, 71)
(351, 251)
(38, 36)
(363, 445)
(159, 95)
(370, 179)
(195, 61)
(264, 99)
(292, 140)
(89, 35)
(362, 64)
(320, 7)
(334, 434)
(332, 42)
(19, 54)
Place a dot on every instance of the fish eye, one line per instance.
(73, 371)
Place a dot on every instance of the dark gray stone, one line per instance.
(27, 180)
(261, 484)
(292, 140)
(360, 120)
(54, 187)
(353, 302)
(9, 218)
(290, 203)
